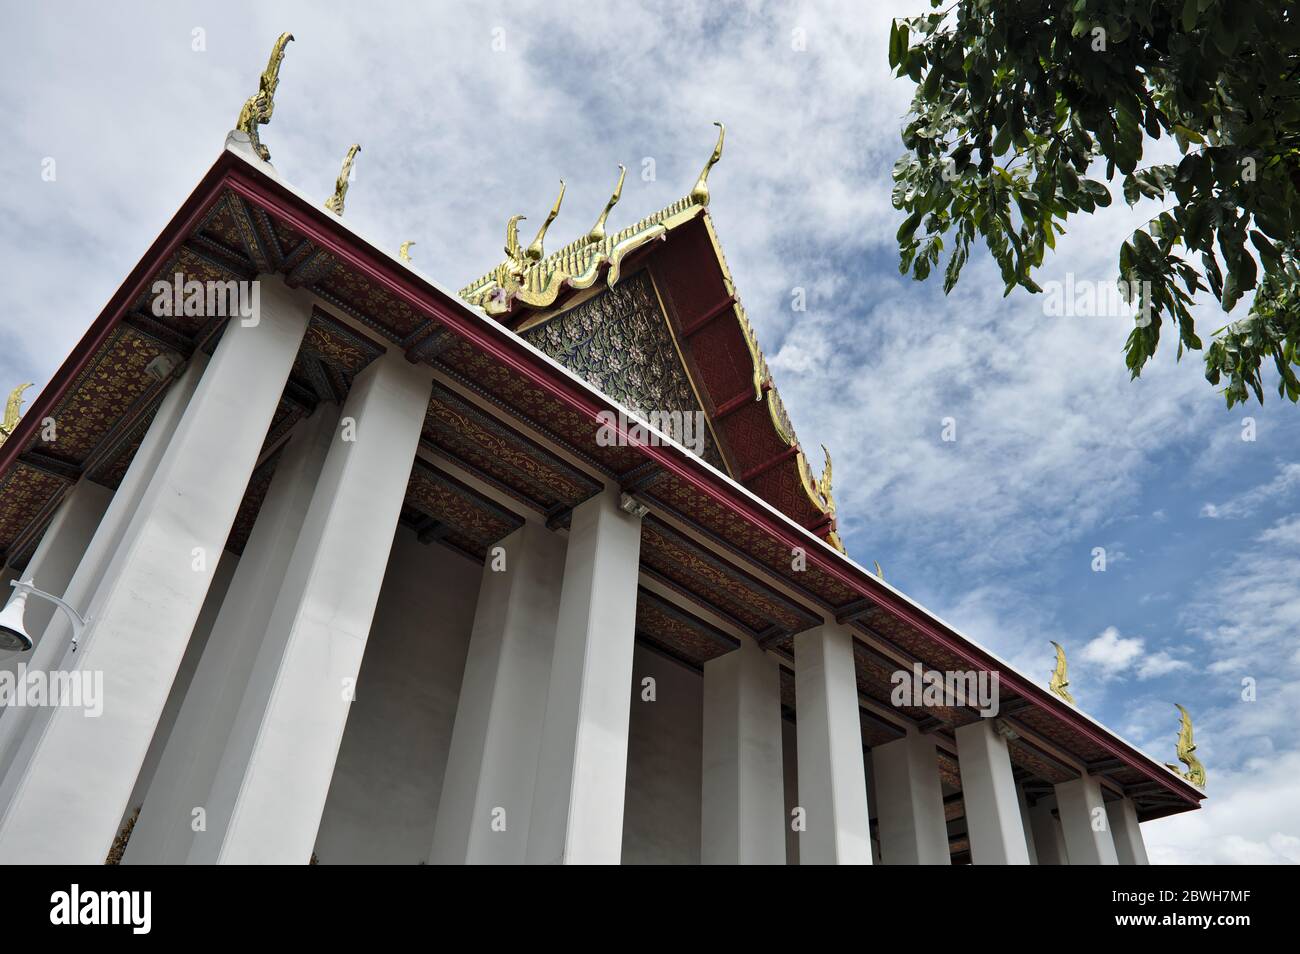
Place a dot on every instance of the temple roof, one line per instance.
(509, 436)
(679, 246)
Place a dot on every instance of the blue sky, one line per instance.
(467, 116)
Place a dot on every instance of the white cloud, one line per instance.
(1249, 818)
(1160, 664)
(1251, 609)
(1245, 504)
(1111, 652)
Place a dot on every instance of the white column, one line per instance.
(1130, 849)
(743, 804)
(988, 789)
(81, 775)
(909, 802)
(582, 769)
(21, 729)
(832, 778)
(276, 771)
(487, 791)
(1049, 839)
(1084, 822)
(180, 687)
(56, 558)
(1026, 822)
(183, 781)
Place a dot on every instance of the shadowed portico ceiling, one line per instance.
(678, 633)
(509, 432)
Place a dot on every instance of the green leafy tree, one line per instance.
(1018, 102)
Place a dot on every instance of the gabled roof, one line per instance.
(515, 430)
(679, 246)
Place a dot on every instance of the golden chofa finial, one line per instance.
(535, 251)
(258, 108)
(1059, 680)
(335, 202)
(700, 194)
(13, 411)
(514, 251)
(824, 482)
(404, 253)
(597, 233)
(1195, 770)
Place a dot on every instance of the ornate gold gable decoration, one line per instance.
(257, 110)
(535, 279)
(1059, 678)
(597, 233)
(700, 192)
(13, 411)
(335, 202)
(1195, 770)
(824, 483)
(535, 251)
(531, 279)
(404, 253)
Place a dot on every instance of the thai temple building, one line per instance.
(352, 567)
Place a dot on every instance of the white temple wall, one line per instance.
(790, 769)
(661, 813)
(383, 799)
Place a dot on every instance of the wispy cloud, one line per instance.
(1281, 486)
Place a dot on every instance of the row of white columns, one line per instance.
(537, 762)
(248, 758)
(537, 765)
(743, 776)
(249, 761)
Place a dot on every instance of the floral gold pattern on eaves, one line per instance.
(619, 342)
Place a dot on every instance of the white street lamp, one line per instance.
(13, 633)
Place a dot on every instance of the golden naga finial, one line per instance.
(1195, 770)
(700, 194)
(597, 233)
(514, 251)
(404, 253)
(1059, 680)
(258, 108)
(335, 202)
(879, 572)
(824, 482)
(13, 411)
(535, 251)
(515, 261)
